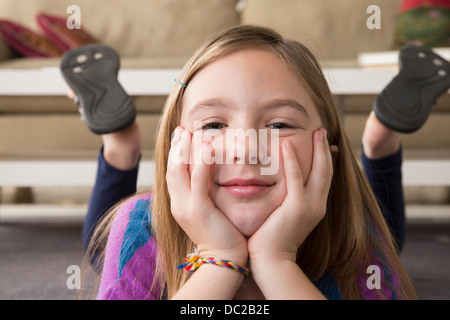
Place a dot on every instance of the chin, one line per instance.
(248, 213)
(247, 218)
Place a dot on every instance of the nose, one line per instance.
(241, 146)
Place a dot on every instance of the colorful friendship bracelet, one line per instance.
(193, 262)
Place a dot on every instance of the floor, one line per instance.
(39, 246)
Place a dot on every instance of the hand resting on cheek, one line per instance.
(214, 234)
(211, 232)
(303, 208)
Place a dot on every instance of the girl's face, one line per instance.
(250, 89)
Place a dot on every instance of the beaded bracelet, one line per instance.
(193, 262)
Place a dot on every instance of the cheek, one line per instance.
(304, 151)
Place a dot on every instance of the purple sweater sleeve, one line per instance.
(130, 256)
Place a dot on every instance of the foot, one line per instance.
(122, 149)
(91, 72)
(378, 140)
(406, 102)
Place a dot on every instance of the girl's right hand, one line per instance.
(208, 228)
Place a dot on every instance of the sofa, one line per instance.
(163, 34)
(147, 34)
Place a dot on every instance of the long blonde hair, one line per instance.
(353, 229)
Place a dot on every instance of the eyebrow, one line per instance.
(271, 104)
(290, 103)
(207, 103)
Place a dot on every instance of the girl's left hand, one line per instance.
(304, 206)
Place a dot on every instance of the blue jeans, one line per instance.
(384, 175)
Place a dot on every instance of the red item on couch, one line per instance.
(26, 42)
(414, 4)
(56, 30)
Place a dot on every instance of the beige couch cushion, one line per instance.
(156, 28)
(52, 135)
(333, 29)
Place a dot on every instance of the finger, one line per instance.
(292, 171)
(177, 175)
(329, 152)
(180, 146)
(200, 174)
(176, 136)
(330, 166)
(321, 171)
(334, 154)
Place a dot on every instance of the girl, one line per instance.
(310, 231)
